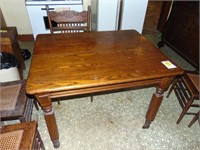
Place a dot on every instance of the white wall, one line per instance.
(86, 3)
(15, 14)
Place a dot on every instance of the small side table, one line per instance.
(21, 136)
(10, 44)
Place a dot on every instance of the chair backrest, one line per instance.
(69, 21)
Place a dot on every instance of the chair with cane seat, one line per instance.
(22, 136)
(14, 103)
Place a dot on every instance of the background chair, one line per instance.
(186, 89)
(14, 103)
(69, 21)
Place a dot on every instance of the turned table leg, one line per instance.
(156, 101)
(46, 104)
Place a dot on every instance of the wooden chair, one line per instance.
(186, 89)
(196, 117)
(14, 103)
(69, 21)
(22, 136)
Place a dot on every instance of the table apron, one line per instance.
(107, 88)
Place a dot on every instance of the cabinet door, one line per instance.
(182, 30)
(178, 25)
(193, 42)
(107, 15)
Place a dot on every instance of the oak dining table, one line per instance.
(95, 62)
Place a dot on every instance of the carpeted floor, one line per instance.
(114, 121)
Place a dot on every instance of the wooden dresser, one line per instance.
(181, 32)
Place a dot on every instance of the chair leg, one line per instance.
(194, 119)
(27, 115)
(58, 101)
(185, 109)
(36, 105)
(172, 87)
(40, 140)
(91, 98)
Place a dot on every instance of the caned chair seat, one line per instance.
(14, 103)
(23, 136)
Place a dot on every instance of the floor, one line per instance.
(114, 121)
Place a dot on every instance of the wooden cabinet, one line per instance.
(181, 32)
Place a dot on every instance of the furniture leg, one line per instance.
(36, 105)
(194, 119)
(91, 97)
(185, 110)
(46, 104)
(156, 101)
(172, 87)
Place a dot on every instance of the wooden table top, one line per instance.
(64, 62)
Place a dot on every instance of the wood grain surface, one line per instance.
(74, 61)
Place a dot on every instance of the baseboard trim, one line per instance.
(25, 37)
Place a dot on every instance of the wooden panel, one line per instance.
(181, 31)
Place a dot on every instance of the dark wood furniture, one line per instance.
(196, 117)
(15, 105)
(181, 32)
(10, 44)
(68, 21)
(166, 7)
(92, 62)
(23, 136)
(186, 88)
